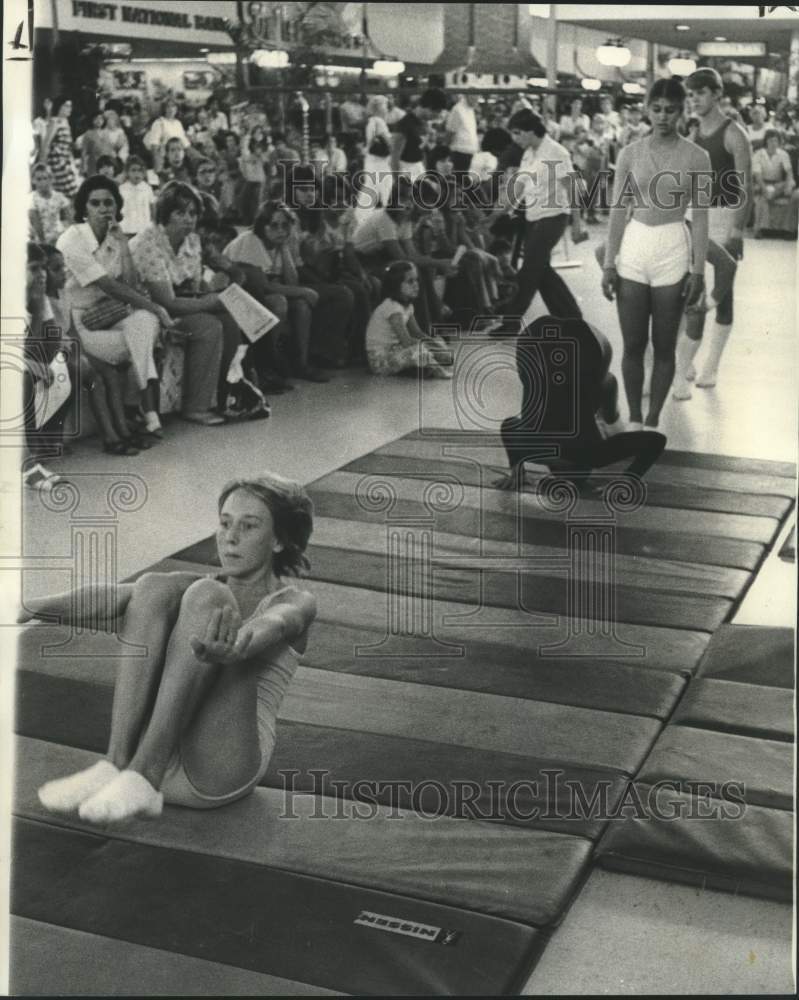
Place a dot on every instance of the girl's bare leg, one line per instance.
(667, 309)
(185, 682)
(633, 301)
(149, 618)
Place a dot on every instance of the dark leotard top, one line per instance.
(726, 185)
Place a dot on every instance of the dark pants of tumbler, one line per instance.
(537, 273)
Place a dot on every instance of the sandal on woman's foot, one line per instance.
(38, 478)
(119, 448)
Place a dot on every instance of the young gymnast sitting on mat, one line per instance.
(193, 720)
(563, 365)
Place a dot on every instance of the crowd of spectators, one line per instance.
(358, 241)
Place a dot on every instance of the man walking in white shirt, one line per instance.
(462, 133)
(544, 186)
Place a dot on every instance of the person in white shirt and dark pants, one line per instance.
(462, 133)
(543, 185)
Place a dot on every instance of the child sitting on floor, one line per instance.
(394, 341)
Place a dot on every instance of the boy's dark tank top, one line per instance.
(723, 165)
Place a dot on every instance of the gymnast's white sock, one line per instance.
(65, 794)
(686, 352)
(717, 341)
(129, 794)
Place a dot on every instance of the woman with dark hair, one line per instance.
(100, 291)
(653, 265)
(56, 148)
(265, 249)
(168, 259)
(193, 720)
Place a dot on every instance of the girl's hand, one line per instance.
(163, 316)
(694, 289)
(610, 281)
(223, 644)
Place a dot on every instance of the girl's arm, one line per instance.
(228, 641)
(402, 331)
(94, 601)
(164, 295)
(36, 224)
(618, 211)
(414, 329)
(119, 290)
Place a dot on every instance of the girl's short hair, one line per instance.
(40, 168)
(135, 161)
(771, 133)
(175, 196)
(96, 183)
(106, 161)
(292, 515)
(265, 215)
(393, 277)
(667, 89)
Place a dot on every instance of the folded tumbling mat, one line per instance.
(746, 709)
(493, 760)
(91, 964)
(713, 845)
(524, 875)
(518, 761)
(266, 920)
(751, 654)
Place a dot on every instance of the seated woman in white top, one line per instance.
(194, 718)
(100, 273)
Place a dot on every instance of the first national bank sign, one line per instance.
(172, 20)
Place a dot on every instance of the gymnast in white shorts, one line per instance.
(193, 721)
(653, 265)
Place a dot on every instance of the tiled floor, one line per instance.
(623, 934)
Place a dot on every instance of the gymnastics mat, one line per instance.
(712, 845)
(522, 875)
(90, 964)
(751, 654)
(455, 626)
(760, 770)
(651, 601)
(728, 706)
(295, 927)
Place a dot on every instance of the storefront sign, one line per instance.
(734, 50)
(201, 21)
